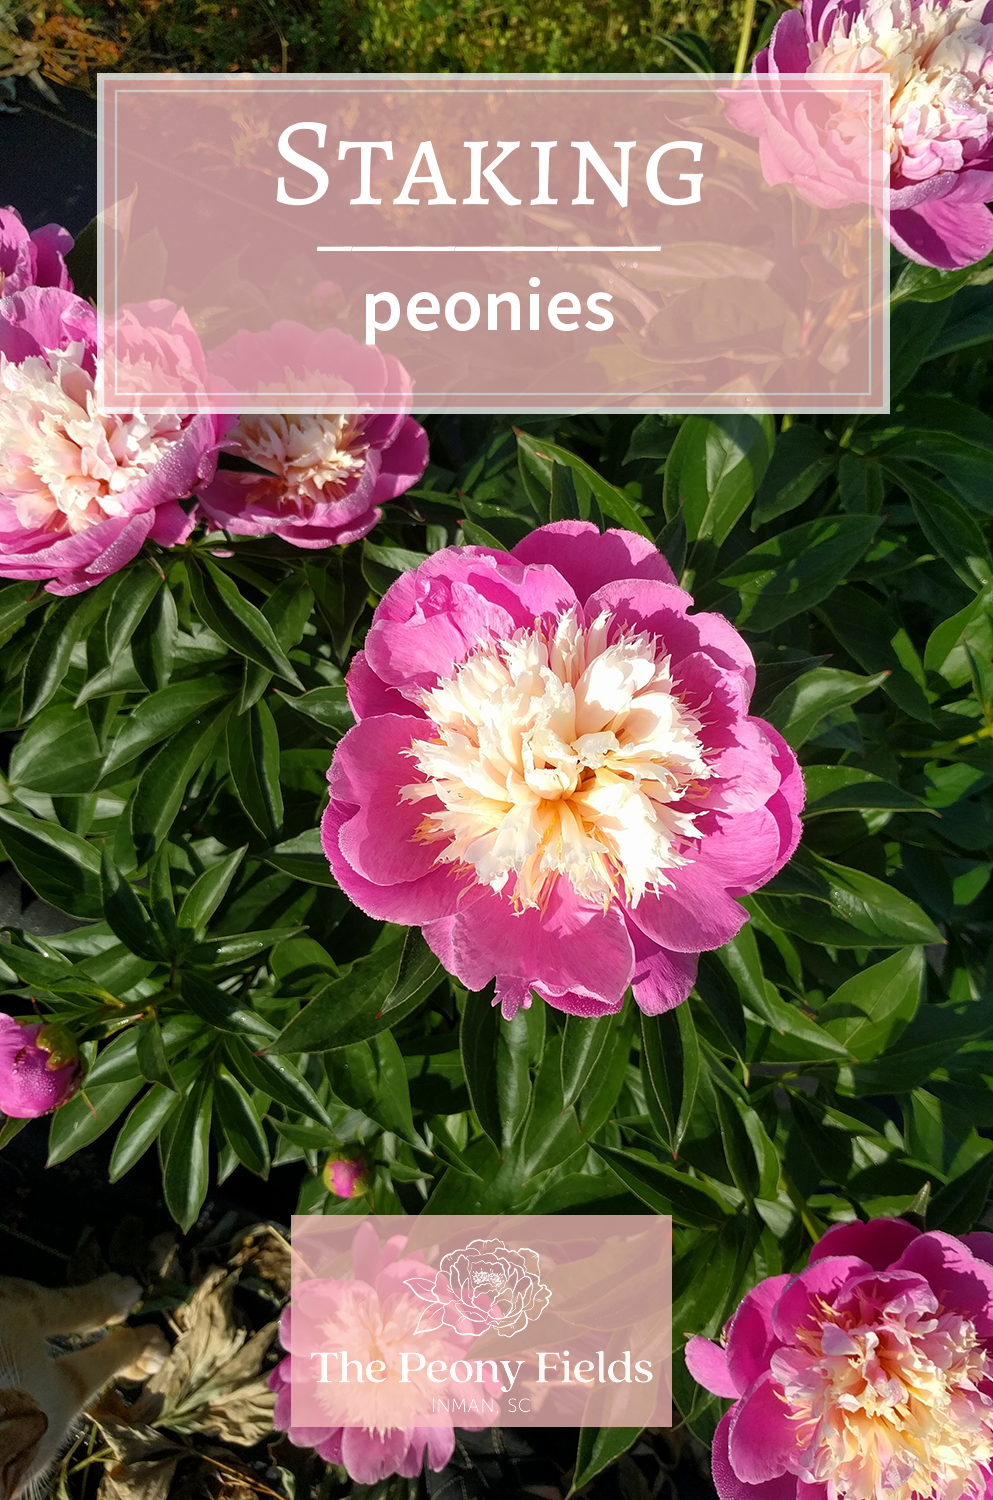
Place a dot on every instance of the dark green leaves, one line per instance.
(243, 627)
(796, 569)
(714, 469)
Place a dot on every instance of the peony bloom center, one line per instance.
(562, 753)
(66, 464)
(318, 458)
(889, 1402)
(371, 1327)
(939, 58)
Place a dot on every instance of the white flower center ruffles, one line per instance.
(66, 465)
(893, 1407)
(562, 753)
(317, 457)
(939, 58)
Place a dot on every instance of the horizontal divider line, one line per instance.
(475, 249)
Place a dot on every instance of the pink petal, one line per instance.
(662, 979)
(708, 1364)
(943, 233)
(369, 696)
(404, 461)
(694, 917)
(726, 1481)
(960, 1281)
(662, 610)
(567, 948)
(588, 560)
(761, 1436)
(981, 1244)
(799, 1306)
(432, 617)
(410, 903)
(751, 1338)
(368, 771)
(880, 1243)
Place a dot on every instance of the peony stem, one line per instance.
(745, 39)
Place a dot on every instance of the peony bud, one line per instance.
(39, 1067)
(346, 1176)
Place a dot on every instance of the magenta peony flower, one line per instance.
(372, 1429)
(938, 55)
(346, 1176)
(327, 475)
(555, 774)
(33, 259)
(81, 490)
(866, 1377)
(39, 1067)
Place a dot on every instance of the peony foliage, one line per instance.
(169, 714)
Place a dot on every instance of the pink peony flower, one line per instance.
(373, 1428)
(346, 1176)
(326, 475)
(39, 1067)
(33, 259)
(866, 1377)
(938, 56)
(81, 490)
(555, 774)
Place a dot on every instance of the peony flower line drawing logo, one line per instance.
(483, 1286)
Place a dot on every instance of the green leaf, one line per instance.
(48, 663)
(860, 485)
(302, 857)
(377, 991)
(253, 757)
(799, 708)
(948, 526)
(671, 1067)
(846, 789)
(240, 1122)
(243, 627)
(222, 1011)
(208, 891)
(150, 1054)
(665, 1189)
(160, 716)
(57, 753)
(945, 652)
(125, 914)
(163, 784)
(17, 600)
(288, 609)
(720, 995)
(132, 598)
(141, 1129)
(794, 570)
(932, 284)
(279, 1079)
(830, 903)
(714, 469)
(879, 644)
(958, 1206)
(612, 501)
(869, 1011)
(153, 645)
(495, 1063)
(59, 866)
(738, 1152)
(87, 1115)
(327, 706)
(185, 1175)
(583, 1041)
(598, 1447)
(802, 459)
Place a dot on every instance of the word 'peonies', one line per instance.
(866, 1377)
(372, 1429)
(39, 1067)
(555, 774)
(938, 55)
(82, 490)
